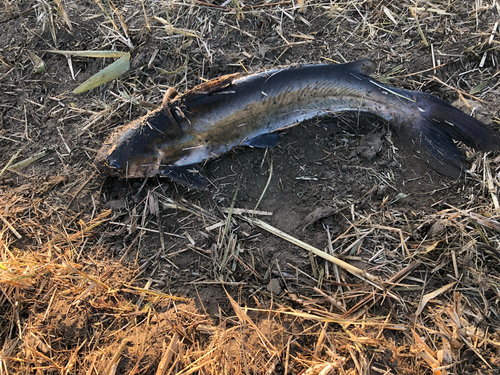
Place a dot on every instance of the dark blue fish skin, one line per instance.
(240, 110)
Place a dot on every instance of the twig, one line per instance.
(457, 90)
(363, 275)
(76, 194)
(267, 185)
(12, 229)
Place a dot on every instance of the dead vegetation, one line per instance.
(105, 277)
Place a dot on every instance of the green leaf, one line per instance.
(479, 88)
(115, 70)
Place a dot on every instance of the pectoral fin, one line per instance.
(188, 176)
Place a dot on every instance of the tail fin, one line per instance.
(440, 124)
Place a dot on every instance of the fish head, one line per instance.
(133, 150)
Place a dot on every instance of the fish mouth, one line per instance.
(106, 161)
(127, 155)
(110, 167)
(113, 164)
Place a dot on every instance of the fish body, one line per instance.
(237, 110)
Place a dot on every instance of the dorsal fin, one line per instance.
(365, 67)
(214, 85)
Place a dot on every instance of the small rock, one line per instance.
(436, 229)
(245, 229)
(116, 204)
(369, 146)
(381, 190)
(274, 286)
(382, 163)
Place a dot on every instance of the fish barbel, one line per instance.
(238, 110)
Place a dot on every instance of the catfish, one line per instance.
(247, 110)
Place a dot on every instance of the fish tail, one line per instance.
(440, 125)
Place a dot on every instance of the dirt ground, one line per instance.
(107, 275)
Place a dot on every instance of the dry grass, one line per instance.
(95, 288)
